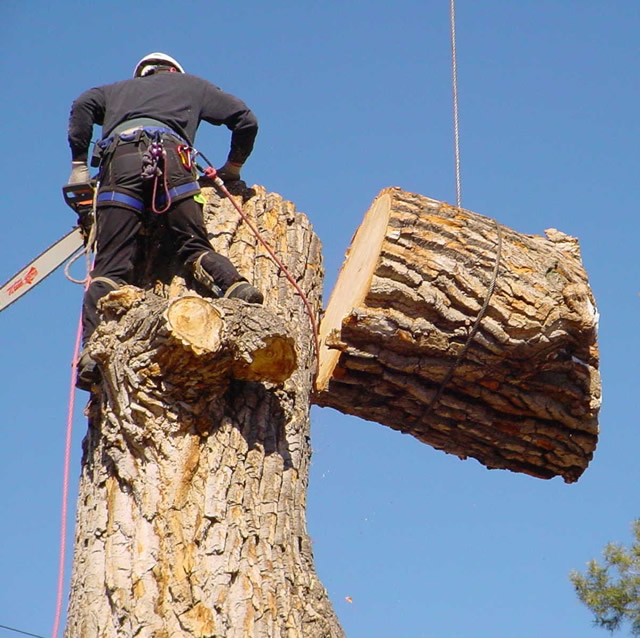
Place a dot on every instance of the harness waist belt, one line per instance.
(129, 135)
(113, 196)
(183, 189)
(134, 202)
(137, 122)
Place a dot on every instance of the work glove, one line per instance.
(79, 173)
(229, 172)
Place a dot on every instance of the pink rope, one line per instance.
(65, 479)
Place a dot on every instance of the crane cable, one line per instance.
(496, 265)
(456, 124)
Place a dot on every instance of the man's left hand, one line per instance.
(79, 173)
(230, 172)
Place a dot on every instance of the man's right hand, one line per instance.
(79, 173)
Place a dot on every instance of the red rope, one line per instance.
(211, 173)
(65, 478)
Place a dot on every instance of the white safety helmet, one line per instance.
(150, 61)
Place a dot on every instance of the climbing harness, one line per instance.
(154, 167)
(154, 163)
(211, 173)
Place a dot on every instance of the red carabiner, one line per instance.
(184, 153)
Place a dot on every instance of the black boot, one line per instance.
(88, 373)
(245, 291)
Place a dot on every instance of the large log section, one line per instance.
(524, 396)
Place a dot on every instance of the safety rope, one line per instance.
(65, 478)
(476, 324)
(456, 125)
(211, 173)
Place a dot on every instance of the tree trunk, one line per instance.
(191, 506)
(401, 342)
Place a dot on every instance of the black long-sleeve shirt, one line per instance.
(180, 100)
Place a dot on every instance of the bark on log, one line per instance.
(191, 506)
(525, 396)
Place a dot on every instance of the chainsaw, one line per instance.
(80, 198)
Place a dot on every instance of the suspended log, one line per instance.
(474, 338)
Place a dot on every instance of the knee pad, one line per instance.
(205, 278)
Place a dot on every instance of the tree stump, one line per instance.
(191, 507)
(406, 339)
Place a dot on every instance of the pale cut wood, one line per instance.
(526, 394)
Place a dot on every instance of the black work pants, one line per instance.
(117, 247)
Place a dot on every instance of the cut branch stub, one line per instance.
(258, 342)
(231, 338)
(525, 395)
(196, 323)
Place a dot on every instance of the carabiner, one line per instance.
(184, 153)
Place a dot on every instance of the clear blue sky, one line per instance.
(353, 97)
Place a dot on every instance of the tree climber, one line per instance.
(145, 163)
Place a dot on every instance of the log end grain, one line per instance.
(274, 362)
(354, 281)
(195, 323)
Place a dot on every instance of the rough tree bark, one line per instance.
(524, 396)
(191, 506)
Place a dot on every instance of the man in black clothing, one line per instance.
(149, 124)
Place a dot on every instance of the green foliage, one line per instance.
(613, 597)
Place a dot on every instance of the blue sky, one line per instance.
(353, 97)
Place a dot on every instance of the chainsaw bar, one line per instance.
(41, 267)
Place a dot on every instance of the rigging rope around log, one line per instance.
(476, 323)
(211, 173)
